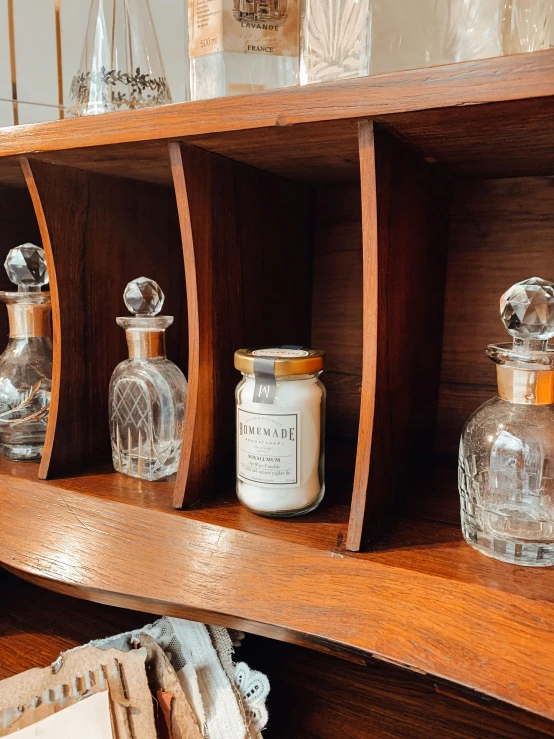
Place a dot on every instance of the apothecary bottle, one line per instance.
(280, 417)
(506, 457)
(148, 392)
(26, 363)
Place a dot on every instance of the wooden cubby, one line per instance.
(379, 219)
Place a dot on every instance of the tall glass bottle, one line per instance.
(148, 392)
(26, 363)
(121, 65)
(506, 458)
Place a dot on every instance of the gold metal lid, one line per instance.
(288, 360)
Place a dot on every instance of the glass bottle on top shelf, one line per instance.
(408, 35)
(334, 39)
(26, 363)
(121, 64)
(148, 392)
(506, 458)
(241, 46)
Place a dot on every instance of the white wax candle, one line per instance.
(279, 446)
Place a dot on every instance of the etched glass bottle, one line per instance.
(147, 391)
(506, 458)
(334, 39)
(121, 65)
(26, 363)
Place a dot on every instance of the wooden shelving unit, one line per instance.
(379, 219)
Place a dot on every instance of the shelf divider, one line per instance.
(404, 221)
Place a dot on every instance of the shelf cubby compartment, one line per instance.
(98, 232)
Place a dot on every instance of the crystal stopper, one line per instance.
(26, 267)
(143, 297)
(527, 309)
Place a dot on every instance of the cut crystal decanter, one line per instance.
(506, 459)
(26, 364)
(147, 391)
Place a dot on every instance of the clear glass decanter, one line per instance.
(506, 459)
(26, 363)
(148, 392)
(121, 64)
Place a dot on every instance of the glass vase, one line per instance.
(334, 40)
(121, 65)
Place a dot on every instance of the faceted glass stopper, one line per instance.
(143, 297)
(26, 267)
(527, 309)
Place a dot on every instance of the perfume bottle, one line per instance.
(506, 458)
(26, 363)
(241, 46)
(147, 391)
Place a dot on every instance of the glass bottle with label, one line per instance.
(506, 458)
(241, 46)
(26, 363)
(148, 392)
(280, 430)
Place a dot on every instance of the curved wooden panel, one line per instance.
(405, 221)
(440, 608)
(247, 251)
(99, 233)
(56, 324)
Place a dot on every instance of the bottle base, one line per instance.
(21, 452)
(509, 550)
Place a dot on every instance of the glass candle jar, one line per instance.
(280, 430)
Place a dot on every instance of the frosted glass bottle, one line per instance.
(148, 392)
(241, 46)
(26, 363)
(334, 39)
(506, 457)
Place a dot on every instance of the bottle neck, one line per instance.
(29, 320)
(528, 387)
(145, 344)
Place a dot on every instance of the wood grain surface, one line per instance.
(457, 615)
(501, 232)
(324, 697)
(460, 85)
(99, 233)
(404, 216)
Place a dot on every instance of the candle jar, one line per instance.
(280, 416)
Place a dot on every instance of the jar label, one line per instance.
(268, 27)
(281, 353)
(268, 447)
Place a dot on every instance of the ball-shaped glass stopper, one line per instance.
(143, 297)
(527, 309)
(26, 266)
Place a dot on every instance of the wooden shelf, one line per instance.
(486, 118)
(381, 208)
(422, 598)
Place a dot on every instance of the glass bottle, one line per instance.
(148, 392)
(334, 39)
(121, 65)
(506, 458)
(26, 363)
(241, 46)
(280, 407)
